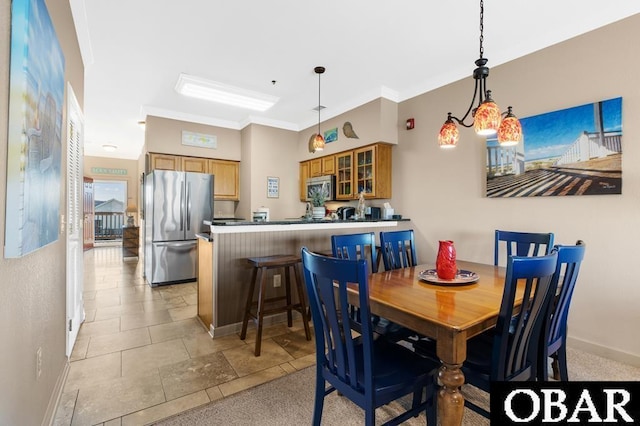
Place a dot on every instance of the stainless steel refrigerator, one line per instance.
(176, 204)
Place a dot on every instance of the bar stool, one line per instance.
(260, 266)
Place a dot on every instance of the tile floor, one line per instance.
(142, 355)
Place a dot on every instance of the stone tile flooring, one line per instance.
(142, 355)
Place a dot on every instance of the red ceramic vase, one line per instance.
(446, 261)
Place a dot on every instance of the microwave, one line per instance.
(328, 182)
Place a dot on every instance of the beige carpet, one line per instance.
(289, 400)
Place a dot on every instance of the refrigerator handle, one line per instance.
(182, 210)
(188, 206)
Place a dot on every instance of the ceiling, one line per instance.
(134, 51)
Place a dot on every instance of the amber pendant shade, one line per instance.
(446, 267)
(510, 131)
(449, 134)
(318, 143)
(487, 118)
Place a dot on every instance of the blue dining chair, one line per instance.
(398, 249)
(522, 243)
(356, 246)
(370, 372)
(555, 338)
(363, 246)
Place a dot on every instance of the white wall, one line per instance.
(442, 191)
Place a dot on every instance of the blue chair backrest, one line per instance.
(356, 246)
(338, 351)
(522, 244)
(517, 336)
(569, 261)
(398, 249)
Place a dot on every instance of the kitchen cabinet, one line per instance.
(315, 167)
(193, 164)
(373, 171)
(130, 241)
(328, 165)
(344, 173)
(226, 181)
(164, 162)
(304, 174)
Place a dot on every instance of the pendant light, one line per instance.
(487, 119)
(318, 141)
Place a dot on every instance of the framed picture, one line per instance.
(331, 135)
(273, 187)
(36, 100)
(574, 151)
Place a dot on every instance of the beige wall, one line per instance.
(132, 178)
(375, 121)
(164, 135)
(443, 190)
(32, 306)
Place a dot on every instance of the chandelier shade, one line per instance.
(486, 118)
(510, 131)
(449, 134)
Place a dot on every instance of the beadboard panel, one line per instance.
(232, 273)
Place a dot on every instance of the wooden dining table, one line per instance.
(450, 314)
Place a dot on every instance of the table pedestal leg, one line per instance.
(450, 399)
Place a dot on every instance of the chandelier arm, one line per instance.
(460, 121)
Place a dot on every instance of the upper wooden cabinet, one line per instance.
(164, 162)
(329, 165)
(365, 169)
(226, 181)
(194, 164)
(373, 171)
(304, 174)
(344, 175)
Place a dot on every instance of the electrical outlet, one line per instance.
(276, 280)
(38, 362)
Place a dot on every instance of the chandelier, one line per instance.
(318, 140)
(487, 120)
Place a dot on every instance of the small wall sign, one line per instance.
(108, 171)
(199, 140)
(273, 187)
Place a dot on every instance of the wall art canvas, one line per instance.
(574, 151)
(331, 135)
(36, 95)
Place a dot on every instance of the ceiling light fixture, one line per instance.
(214, 91)
(318, 141)
(109, 148)
(486, 115)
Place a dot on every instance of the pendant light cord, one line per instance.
(481, 27)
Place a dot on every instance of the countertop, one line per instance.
(223, 222)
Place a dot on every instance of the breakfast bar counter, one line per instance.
(224, 274)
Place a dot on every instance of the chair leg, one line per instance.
(303, 305)
(319, 402)
(562, 364)
(247, 309)
(287, 283)
(260, 314)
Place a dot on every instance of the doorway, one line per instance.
(109, 212)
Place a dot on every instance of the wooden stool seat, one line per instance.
(260, 267)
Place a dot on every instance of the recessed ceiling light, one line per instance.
(109, 148)
(142, 124)
(214, 91)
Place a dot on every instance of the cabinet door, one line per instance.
(226, 181)
(165, 162)
(304, 174)
(328, 165)
(344, 176)
(373, 171)
(315, 167)
(194, 164)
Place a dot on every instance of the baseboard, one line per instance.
(50, 414)
(235, 328)
(604, 351)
